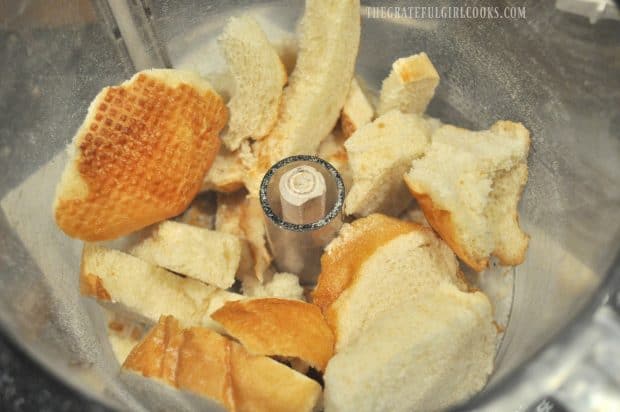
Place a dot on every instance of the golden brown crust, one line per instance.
(92, 285)
(279, 327)
(340, 265)
(441, 221)
(142, 154)
(204, 362)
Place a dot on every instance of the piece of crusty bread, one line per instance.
(242, 216)
(332, 149)
(468, 185)
(278, 285)
(203, 362)
(357, 110)
(410, 85)
(425, 354)
(147, 291)
(379, 154)
(140, 155)
(206, 255)
(259, 78)
(279, 327)
(227, 173)
(328, 34)
(376, 263)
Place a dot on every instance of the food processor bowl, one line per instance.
(555, 72)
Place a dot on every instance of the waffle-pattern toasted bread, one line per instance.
(140, 155)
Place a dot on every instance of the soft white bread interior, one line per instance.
(357, 110)
(379, 154)
(114, 183)
(332, 149)
(146, 291)
(410, 85)
(329, 34)
(203, 362)
(206, 255)
(226, 174)
(242, 216)
(375, 264)
(424, 354)
(278, 285)
(259, 78)
(279, 327)
(469, 184)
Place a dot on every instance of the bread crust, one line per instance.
(92, 285)
(204, 362)
(279, 327)
(441, 221)
(140, 155)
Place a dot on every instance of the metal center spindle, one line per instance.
(302, 195)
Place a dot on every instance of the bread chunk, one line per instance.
(410, 86)
(259, 78)
(469, 184)
(206, 255)
(279, 327)
(203, 362)
(379, 154)
(140, 155)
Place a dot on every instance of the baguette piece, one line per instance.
(357, 110)
(379, 154)
(279, 285)
(203, 362)
(410, 86)
(140, 155)
(242, 216)
(279, 327)
(206, 255)
(137, 287)
(376, 263)
(469, 184)
(259, 78)
(329, 34)
(425, 354)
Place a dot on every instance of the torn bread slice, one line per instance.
(379, 154)
(146, 291)
(357, 110)
(242, 216)
(206, 255)
(469, 184)
(374, 264)
(259, 78)
(227, 173)
(424, 354)
(279, 327)
(140, 155)
(278, 285)
(332, 150)
(203, 362)
(410, 86)
(329, 34)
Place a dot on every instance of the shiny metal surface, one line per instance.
(555, 72)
